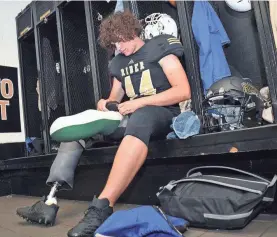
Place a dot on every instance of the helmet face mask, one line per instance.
(232, 101)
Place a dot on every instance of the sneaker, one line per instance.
(39, 212)
(98, 211)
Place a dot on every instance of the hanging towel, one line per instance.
(210, 36)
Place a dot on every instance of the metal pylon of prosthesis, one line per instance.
(53, 191)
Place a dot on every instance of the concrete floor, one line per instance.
(72, 211)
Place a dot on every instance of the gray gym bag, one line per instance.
(217, 197)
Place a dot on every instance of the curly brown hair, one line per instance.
(121, 26)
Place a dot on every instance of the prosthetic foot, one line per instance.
(40, 213)
(61, 176)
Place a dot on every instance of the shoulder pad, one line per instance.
(114, 67)
(163, 45)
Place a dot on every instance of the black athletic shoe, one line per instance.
(39, 213)
(98, 211)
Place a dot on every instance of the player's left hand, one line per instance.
(129, 107)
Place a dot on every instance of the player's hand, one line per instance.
(101, 105)
(129, 107)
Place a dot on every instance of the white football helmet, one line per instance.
(159, 24)
(239, 5)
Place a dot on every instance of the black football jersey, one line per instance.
(140, 73)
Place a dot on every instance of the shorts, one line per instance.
(147, 123)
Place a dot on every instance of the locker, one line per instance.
(75, 56)
(247, 53)
(28, 73)
(49, 67)
(250, 52)
(142, 9)
(95, 12)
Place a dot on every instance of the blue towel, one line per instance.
(184, 125)
(210, 36)
(144, 221)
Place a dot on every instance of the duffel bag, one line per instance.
(217, 197)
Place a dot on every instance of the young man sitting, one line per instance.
(151, 75)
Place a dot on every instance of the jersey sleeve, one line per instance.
(164, 45)
(114, 69)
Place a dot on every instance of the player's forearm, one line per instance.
(117, 93)
(171, 96)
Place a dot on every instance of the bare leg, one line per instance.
(130, 156)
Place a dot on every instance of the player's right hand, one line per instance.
(101, 105)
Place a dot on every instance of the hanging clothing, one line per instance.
(52, 78)
(210, 36)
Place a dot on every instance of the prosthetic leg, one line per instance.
(62, 171)
(70, 130)
(61, 176)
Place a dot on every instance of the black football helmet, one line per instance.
(232, 103)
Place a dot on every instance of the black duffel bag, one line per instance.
(217, 197)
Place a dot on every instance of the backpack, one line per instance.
(217, 197)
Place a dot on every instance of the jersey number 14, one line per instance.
(146, 87)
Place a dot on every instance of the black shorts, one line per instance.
(147, 123)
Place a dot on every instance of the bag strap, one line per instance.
(171, 185)
(159, 210)
(273, 181)
(227, 168)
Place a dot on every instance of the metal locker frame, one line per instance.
(268, 49)
(20, 36)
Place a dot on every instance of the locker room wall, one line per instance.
(9, 55)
